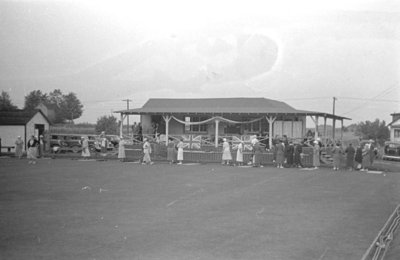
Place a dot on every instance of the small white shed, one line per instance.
(21, 123)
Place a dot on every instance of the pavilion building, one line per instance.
(210, 120)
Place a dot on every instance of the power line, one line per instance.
(384, 92)
(370, 99)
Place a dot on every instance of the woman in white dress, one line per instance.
(147, 152)
(239, 154)
(85, 147)
(121, 149)
(180, 152)
(226, 152)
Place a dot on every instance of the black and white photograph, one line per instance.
(199, 130)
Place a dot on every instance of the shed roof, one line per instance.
(18, 117)
(219, 106)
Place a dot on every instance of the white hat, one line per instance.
(224, 139)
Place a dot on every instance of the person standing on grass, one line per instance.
(297, 155)
(289, 151)
(32, 150)
(18, 147)
(280, 154)
(258, 149)
(171, 152)
(366, 159)
(121, 149)
(316, 150)
(146, 152)
(226, 152)
(350, 152)
(85, 147)
(373, 151)
(41, 146)
(337, 154)
(180, 146)
(239, 154)
(359, 157)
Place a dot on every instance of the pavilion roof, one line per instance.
(218, 106)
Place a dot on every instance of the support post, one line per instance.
(121, 126)
(333, 128)
(167, 119)
(325, 132)
(316, 128)
(341, 131)
(334, 120)
(216, 132)
(270, 120)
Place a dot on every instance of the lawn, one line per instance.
(70, 209)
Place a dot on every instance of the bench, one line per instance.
(7, 147)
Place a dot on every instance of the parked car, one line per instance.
(391, 151)
(72, 142)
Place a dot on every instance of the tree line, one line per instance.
(66, 107)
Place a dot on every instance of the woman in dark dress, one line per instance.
(297, 155)
(350, 152)
(358, 157)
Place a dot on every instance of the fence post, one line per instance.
(0, 146)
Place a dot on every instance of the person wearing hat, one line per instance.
(41, 146)
(121, 149)
(350, 155)
(103, 143)
(32, 150)
(316, 150)
(180, 146)
(337, 153)
(366, 157)
(146, 152)
(280, 154)
(171, 151)
(257, 154)
(298, 149)
(18, 147)
(85, 147)
(239, 154)
(373, 151)
(226, 152)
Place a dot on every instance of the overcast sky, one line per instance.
(301, 52)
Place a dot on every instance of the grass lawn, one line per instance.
(70, 209)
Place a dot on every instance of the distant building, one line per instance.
(21, 123)
(394, 127)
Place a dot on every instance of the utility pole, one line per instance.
(334, 120)
(127, 107)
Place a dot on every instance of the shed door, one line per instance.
(39, 130)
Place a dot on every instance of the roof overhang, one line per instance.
(140, 111)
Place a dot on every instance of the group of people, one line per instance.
(285, 152)
(35, 148)
(359, 158)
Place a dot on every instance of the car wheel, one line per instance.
(76, 149)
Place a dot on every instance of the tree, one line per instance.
(34, 98)
(109, 124)
(65, 107)
(373, 130)
(55, 101)
(6, 103)
(71, 107)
